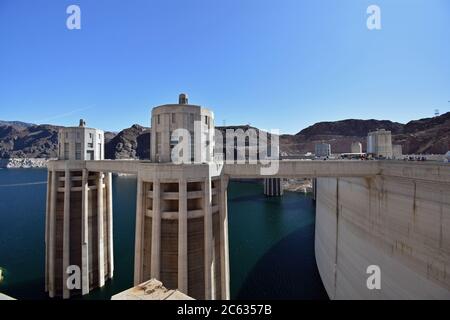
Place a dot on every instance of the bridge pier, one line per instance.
(273, 187)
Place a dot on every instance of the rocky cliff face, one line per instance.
(430, 135)
(131, 143)
(35, 141)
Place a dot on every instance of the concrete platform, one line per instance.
(150, 290)
(5, 297)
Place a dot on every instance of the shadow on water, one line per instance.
(272, 245)
(285, 272)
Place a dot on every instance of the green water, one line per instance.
(271, 240)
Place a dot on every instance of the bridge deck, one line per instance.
(431, 171)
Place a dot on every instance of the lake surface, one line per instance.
(271, 240)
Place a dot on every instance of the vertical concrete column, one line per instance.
(51, 236)
(208, 240)
(47, 217)
(66, 234)
(138, 250)
(100, 232)
(224, 258)
(182, 237)
(156, 231)
(314, 188)
(84, 232)
(109, 208)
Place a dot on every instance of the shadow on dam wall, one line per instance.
(285, 272)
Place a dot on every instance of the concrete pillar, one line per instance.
(138, 251)
(84, 233)
(66, 233)
(208, 239)
(224, 257)
(51, 238)
(273, 187)
(109, 207)
(182, 238)
(156, 231)
(100, 231)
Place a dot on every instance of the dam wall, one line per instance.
(401, 225)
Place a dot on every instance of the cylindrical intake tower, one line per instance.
(78, 234)
(181, 212)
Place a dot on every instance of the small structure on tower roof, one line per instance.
(183, 98)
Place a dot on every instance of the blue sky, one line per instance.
(272, 63)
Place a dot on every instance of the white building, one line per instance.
(356, 147)
(379, 143)
(397, 151)
(81, 143)
(323, 150)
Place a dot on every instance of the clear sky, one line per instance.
(282, 64)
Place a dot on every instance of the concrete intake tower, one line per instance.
(181, 215)
(78, 230)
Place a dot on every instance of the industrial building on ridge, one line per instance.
(379, 144)
(356, 147)
(322, 150)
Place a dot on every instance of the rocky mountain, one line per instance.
(130, 143)
(16, 123)
(429, 135)
(34, 141)
(339, 134)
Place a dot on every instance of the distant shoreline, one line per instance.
(24, 163)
